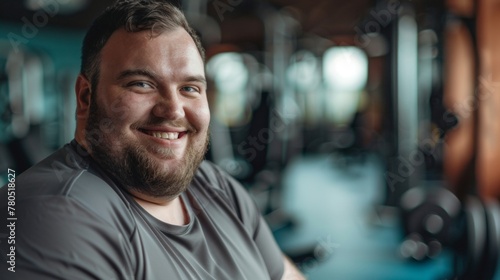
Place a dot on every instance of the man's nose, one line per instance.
(169, 106)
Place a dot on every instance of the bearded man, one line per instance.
(131, 197)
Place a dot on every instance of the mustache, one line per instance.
(156, 121)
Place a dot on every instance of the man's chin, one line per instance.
(165, 158)
(166, 154)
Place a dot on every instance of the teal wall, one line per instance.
(62, 45)
(59, 51)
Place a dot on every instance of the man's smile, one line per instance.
(165, 135)
(164, 132)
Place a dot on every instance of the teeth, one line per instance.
(166, 135)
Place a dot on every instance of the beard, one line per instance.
(133, 166)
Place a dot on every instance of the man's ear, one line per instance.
(83, 90)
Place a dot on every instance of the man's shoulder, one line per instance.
(61, 207)
(64, 176)
(54, 175)
(208, 171)
(212, 177)
(212, 181)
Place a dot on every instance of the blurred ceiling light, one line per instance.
(303, 71)
(63, 7)
(229, 72)
(345, 69)
(231, 78)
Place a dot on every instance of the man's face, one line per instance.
(148, 119)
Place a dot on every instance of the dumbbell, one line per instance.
(476, 254)
(433, 218)
(429, 217)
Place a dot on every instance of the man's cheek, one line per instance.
(119, 109)
(203, 115)
(107, 125)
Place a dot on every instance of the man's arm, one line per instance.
(291, 271)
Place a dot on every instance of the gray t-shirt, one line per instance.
(74, 222)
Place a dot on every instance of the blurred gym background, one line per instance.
(365, 130)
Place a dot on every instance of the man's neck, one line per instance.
(171, 212)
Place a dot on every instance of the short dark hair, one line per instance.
(133, 16)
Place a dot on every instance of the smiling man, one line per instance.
(158, 137)
(131, 196)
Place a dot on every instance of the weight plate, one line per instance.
(476, 239)
(491, 255)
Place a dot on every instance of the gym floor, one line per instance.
(335, 204)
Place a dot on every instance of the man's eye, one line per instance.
(190, 89)
(141, 84)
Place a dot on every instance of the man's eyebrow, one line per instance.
(143, 72)
(136, 72)
(196, 78)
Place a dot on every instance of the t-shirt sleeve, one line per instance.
(255, 224)
(65, 241)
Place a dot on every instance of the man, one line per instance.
(131, 197)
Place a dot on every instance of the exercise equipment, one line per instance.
(253, 123)
(23, 74)
(476, 252)
(430, 217)
(435, 219)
